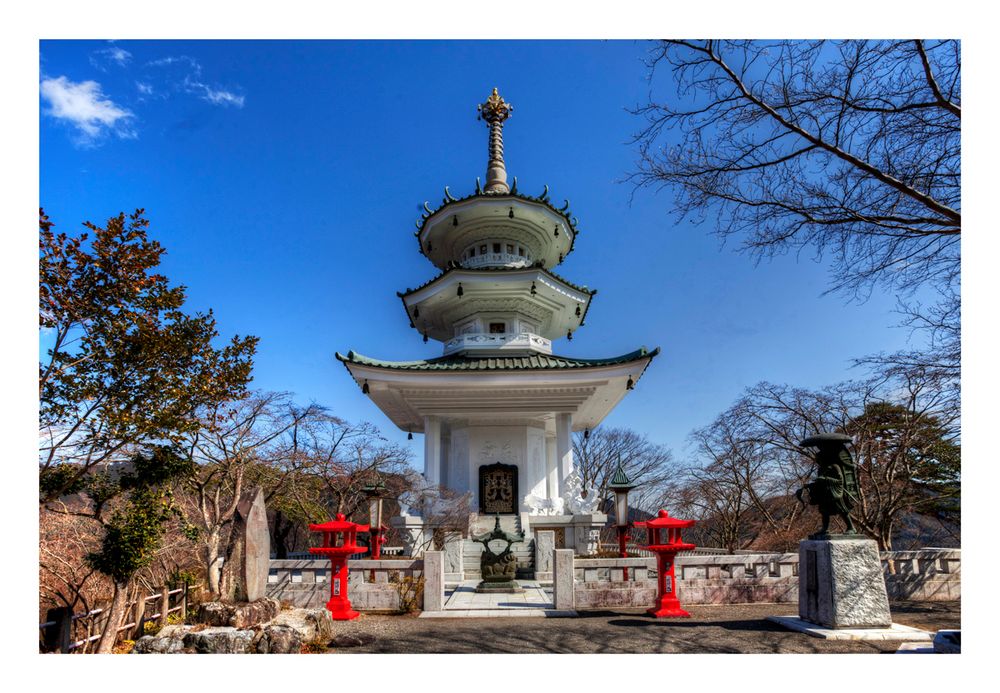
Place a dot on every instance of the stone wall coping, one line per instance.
(614, 563)
(300, 563)
(385, 564)
(356, 564)
(923, 553)
(538, 521)
(736, 559)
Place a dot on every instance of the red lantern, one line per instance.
(663, 535)
(339, 544)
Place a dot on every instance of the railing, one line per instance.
(514, 341)
(496, 260)
(58, 630)
(747, 578)
(374, 585)
(306, 556)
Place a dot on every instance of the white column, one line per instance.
(432, 450)
(536, 462)
(551, 468)
(564, 447)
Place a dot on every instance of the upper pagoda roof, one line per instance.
(500, 363)
(441, 232)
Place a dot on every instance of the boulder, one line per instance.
(278, 639)
(238, 615)
(313, 625)
(154, 644)
(220, 640)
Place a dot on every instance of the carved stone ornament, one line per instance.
(573, 497)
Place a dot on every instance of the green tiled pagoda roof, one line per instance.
(496, 363)
(486, 270)
(542, 199)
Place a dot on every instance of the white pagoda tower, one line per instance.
(498, 407)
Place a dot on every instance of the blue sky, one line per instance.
(284, 179)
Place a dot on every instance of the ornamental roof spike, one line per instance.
(495, 111)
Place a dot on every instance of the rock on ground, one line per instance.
(274, 639)
(220, 640)
(238, 615)
(313, 625)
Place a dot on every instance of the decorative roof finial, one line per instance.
(495, 111)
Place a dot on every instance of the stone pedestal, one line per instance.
(545, 543)
(841, 584)
(413, 533)
(563, 578)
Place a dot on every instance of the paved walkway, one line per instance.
(728, 628)
(463, 601)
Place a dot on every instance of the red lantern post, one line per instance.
(666, 549)
(339, 543)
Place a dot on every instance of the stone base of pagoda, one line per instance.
(581, 532)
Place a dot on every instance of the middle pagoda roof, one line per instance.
(554, 305)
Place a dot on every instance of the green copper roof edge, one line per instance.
(542, 199)
(454, 363)
(486, 270)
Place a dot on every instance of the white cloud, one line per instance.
(84, 105)
(176, 59)
(218, 97)
(112, 54)
(144, 88)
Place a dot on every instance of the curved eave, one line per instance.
(487, 387)
(427, 291)
(488, 270)
(432, 216)
(534, 363)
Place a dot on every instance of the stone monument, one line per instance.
(498, 569)
(840, 575)
(244, 574)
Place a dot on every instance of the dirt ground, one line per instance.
(711, 629)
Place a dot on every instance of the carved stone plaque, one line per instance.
(498, 489)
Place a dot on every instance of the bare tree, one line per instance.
(235, 439)
(342, 458)
(747, 463)
(650, 465)
(851, 149)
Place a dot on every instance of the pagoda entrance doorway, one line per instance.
(498, 489)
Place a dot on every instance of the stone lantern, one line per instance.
(339, 544)
(621, 485)
(663, 536)
(375, 492)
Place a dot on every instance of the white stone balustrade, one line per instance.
(496, 260)
(373, 585)
(925, 575)
(504, 341)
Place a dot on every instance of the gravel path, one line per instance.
(711, 629)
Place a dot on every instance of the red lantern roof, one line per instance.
(340, 524)
(664, 521)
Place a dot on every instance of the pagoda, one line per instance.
(497, 409)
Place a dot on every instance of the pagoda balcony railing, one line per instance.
(499, 342)
(496, 260)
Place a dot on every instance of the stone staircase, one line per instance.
(524, 552)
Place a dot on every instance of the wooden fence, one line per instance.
(64, 631)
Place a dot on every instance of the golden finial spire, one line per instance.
(495, 111)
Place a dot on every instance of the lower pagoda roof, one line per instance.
(497, 363)
(488, 389)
